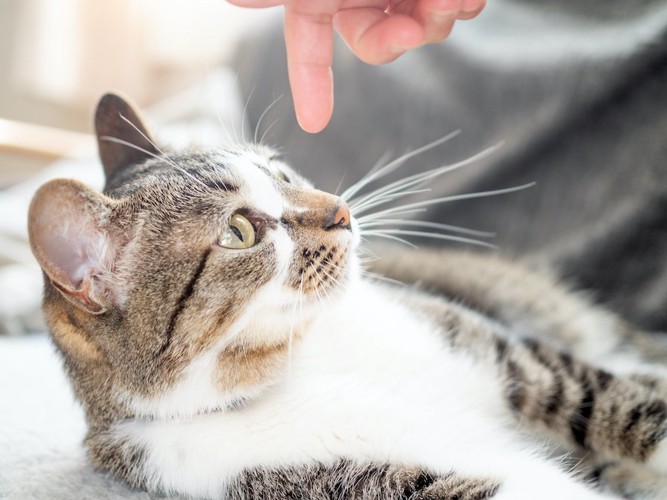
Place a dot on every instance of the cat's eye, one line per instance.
(283, 177)
(239, 234)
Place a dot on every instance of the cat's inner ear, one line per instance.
(74, 242)
(122, 138)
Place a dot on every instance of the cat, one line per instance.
(218, 327)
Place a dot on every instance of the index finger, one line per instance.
(309, 40)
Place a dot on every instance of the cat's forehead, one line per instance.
(244, 170)
(245, 160)
(240, 165)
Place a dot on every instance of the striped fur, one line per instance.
(278, 372)
(346, 479)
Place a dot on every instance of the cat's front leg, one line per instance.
(349, 480)
(614, 417)
(579, 404)
(628, 480)
(332, 479)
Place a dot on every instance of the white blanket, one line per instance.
(42, 428)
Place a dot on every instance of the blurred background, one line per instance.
(58, 56)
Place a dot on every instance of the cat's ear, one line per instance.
(122, 137)
(75, 242)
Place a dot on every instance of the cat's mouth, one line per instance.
(322, 269)
(323, 233)
(321, 263)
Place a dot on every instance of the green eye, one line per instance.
(283, 177)
(238, 234)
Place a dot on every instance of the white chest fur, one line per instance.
(370, 380)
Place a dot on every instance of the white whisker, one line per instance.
(164, 155)
(295, 318)
(393, 165)
(153, 155)
(386, 156)
(268, 129)
(382, 234)
(244, 115)
(261, 117)
(379, 277)
(381, 214)
(418, 223)
(425, 234)
(423, 177)
(366, 254)
(446, 199)
(340, 183)
(361, 207)
(321, 293)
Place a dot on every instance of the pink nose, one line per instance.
(341, 218)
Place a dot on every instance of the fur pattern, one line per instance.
(280, 371)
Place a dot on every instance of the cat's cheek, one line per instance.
(353, 268)
(284, 248)
(356, 235)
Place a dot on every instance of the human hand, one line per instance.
(376, 31)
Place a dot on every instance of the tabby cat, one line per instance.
(221, 334)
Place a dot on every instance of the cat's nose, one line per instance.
(340, 218)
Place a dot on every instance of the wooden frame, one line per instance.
(39, 141)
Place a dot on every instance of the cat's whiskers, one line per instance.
(337, 282)
(386, 228)
(377, 173)
(340, 183)
(444, 199)
(390, 237)
(381, 200)
(153, 155)
(384, 224)
(418, 223)
(380, 215)
(370, 255)
(392, 234)
(396, 187)
(261, 117)
(244, 116)
(379, 277)
(268, 129)
(295, 316)
(365, 272)
(319, 290)
(415, 180)
(163, 156)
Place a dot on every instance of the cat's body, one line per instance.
(259, 362)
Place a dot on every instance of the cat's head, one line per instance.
(181, 288)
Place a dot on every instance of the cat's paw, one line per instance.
(657, 461)
(454, 487)
(629, 480)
